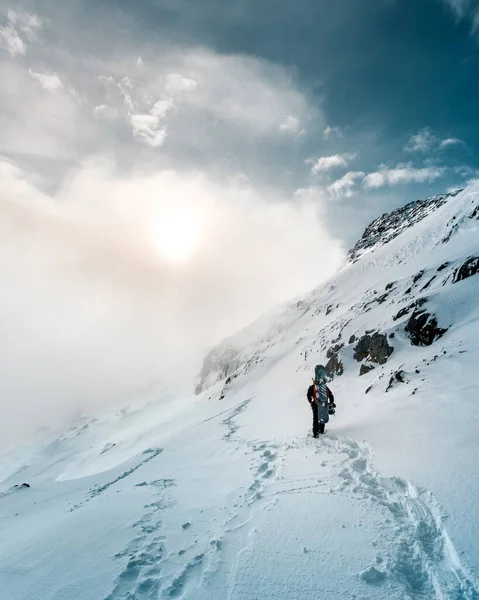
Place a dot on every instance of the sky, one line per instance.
(170, 170)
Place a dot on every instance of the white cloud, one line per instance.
(331, 132)
(151, 127)
(50, 83)
(176, 83)
(292, 125)
(327, 163)
(450, 142)
(423, 141)
(400, 175)
(89, 258)
(344, 187)
(20, 26)
(11, 41)
(105, 111)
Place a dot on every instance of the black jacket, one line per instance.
(310, 394)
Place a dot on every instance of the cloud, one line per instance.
(423, 141)
(331, 132)
(401, 174)
(447, 143)
(105, 111)
(50, 83)
(292, 125)
(458, 7)
(327, 163)
(91, 293)
(151, 127)
(20, 27)
(176, 83)
(344, 187)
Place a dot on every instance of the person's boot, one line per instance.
(321, 428)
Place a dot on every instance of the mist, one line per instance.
(95, 307)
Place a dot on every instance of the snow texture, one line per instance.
(224, 493)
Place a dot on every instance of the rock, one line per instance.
(362, 348)
(390, 285)
(388, 226)
(418, 276)
(369, 389)
(375, 348)
(365, 369)
(424, 287)
(423, 329)
(352, 339)
(333, 350)
(467, 269)
(334, 366)
(397, 377)
(407, 309)
(379, 349)
(373, 576)
(443, 266)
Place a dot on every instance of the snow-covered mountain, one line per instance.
(220, 492)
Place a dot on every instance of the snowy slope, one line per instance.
(224, 494)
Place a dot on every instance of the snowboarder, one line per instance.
(313, 399)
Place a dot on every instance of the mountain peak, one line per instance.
(389, 225)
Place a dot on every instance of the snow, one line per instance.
(226, 495)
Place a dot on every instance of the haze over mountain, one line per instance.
(225, 494)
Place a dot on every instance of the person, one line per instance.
(311, 395)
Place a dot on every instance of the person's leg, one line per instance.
(314, 408)
(321, 427)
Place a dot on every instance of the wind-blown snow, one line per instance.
(226, 495)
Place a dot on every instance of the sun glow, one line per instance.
(177, 233)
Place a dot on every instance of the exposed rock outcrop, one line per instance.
(379, 349)
(467, 269)
(334, 366)
(387, 227)
(373, 347)
(397, 377)
(363, 369)
(423, 329)
(362, 348)
(407, 309)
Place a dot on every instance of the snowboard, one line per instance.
(321, 394)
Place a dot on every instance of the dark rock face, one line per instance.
(362, 349)
(390, 285)
(423, 329)
(407, 309)
(467, 269)
(375, 348)
(387, 227)
(334, 366)
(379, 349)
(363, 369)
(333, 350)
(352, 339)
(418, 276)
(398, 377)
(443, 266)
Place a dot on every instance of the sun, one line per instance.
(177, 233)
